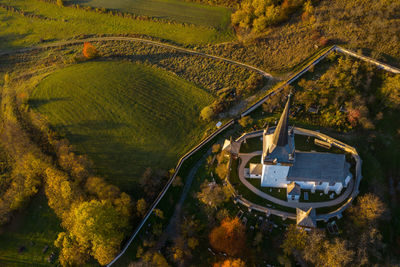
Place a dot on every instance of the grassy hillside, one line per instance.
(30, 231)
(175, 10)
(125, 116)
(65, 22)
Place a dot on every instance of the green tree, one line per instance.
(207, 113)
(391, 91)
(100, 227)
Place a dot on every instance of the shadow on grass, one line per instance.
(37, 102)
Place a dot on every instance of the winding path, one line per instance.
(172, 228)
(134, 39)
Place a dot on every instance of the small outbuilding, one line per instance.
(255, 170)
(306, 218)
(293, 192)
(231, 147)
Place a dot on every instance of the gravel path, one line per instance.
(172, 230)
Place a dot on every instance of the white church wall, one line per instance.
(274, 175)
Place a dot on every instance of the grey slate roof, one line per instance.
(293, 189)
(280, 146)
(280, 137)
(318, 167)
(306, 217)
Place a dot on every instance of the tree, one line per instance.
(216, 148)
(98, 226)
(141, 207)
(368, 209)
(71, 252)
(151, 183)
(89, 51)
(207, 113)
(245, 121)
(229, 237)
(60, 3)
(159, 213)
(230, 263)
(322, 252)
(295, 239)
(213, 195)
(391, 91)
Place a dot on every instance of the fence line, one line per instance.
(368, 59)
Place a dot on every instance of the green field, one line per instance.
(125, 116)
(33, 228)
(19, 31)
(175, 10)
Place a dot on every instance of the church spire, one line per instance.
(280, 137)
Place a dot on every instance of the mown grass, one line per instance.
(124, 116)
(33, 228)
(174, 10)
(19, 31)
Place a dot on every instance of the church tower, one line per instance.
(278, 151)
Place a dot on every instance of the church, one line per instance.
(282, 166)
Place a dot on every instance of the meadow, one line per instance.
(174, 10)
(124, 116)
(58, 23)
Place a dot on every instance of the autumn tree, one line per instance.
(207, 113)
(89, 51)
(245, 121)
(212, 194)
(321, 252)
(391, 91)
(98, 226)
(216, 148)
(151, 183)
(230, 263)
(295, 239)
(368, 209)
(141, 207)
(229, 237)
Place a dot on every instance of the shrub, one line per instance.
(89, 51)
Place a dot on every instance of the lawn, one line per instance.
(65, 22)
(124, 116)
(175, 10)
(33, 228)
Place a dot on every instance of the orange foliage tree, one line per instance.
(229, 237)
(89, 51)
(230, 263)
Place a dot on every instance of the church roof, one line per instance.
(319, 167)
(256, 169)
(278, 147)
(280, 137)
(293, 189)
(306, 217)
(231, 146)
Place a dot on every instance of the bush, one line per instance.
(89, 51)
(207, 113)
